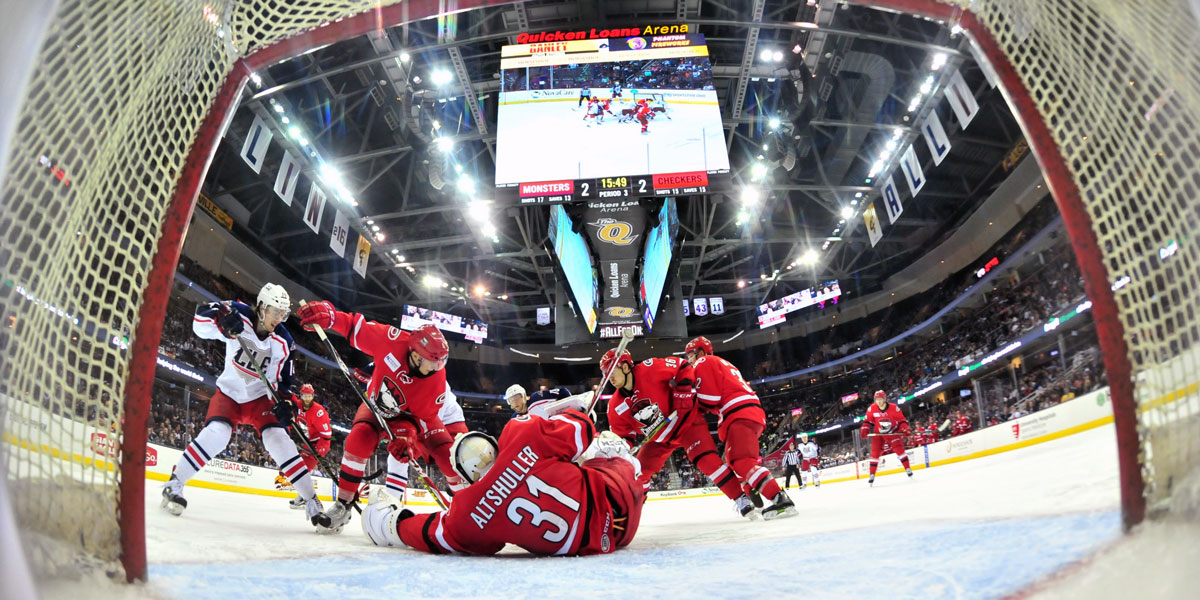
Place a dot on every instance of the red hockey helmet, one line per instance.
(610, 358)
(880, 394)
(307, 389)
(430, 344)
(700, 343)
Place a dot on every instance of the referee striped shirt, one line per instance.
(791, 457)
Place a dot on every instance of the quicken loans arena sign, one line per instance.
(599, 34)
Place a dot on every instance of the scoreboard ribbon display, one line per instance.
(615, 188)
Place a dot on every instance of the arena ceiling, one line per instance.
(368, 109)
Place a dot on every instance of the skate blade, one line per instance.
(174, 508)
(780, 514)
(294, 507)
(751, 516)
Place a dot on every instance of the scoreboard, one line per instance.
(616, 188)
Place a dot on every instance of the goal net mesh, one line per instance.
(120, 89)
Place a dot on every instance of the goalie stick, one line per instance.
(421, 473)
(626, 337)
(321, 460)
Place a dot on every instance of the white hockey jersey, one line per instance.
(809, 450)
(238, 379)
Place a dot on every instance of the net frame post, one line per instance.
(152, 313)
(1084, 242)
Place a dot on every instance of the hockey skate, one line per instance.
(755, 498)
(745, 507)
(908, 470)
(871, 480)
(332, 520)
(312, 508)
(781, 508)
(801, 485)
(173, 500)
(297, 503)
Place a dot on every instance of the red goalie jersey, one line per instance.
(536, 497)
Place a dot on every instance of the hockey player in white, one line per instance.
(809, 451)
(241, 397)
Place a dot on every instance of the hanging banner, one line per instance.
(543, 315)
(935, 137)
(891, 199)
(687, 308)
(874, 230)
(912, 170)
(258, 139)
(961, 100)
(361, 256)
(315, 209)
(288, 177)
(341, 230)
(614, 230)
(701, 306)
(717, 305)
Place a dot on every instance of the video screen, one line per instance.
(656, 260)
(576, 263)
(576, 117)
(415, 316)
(775, 311)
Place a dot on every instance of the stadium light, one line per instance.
(875, 169)
(774, 123)
(441, 77)
(927, 85)
(379, 237)
(847, 212)
(278, 107)
(431, 281)
(466, 185)
(741, 283)
(778, 56)
(809, 257)
(765, 54)
(480, 290)
(295, 132)
(404, 56)
(489, 230)
(939, 61)
(916, 101)
(759, 170)
(444, 144)
(751, 197)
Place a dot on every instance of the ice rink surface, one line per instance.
(551, 141)
(984, 528)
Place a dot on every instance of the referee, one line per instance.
(791, 460)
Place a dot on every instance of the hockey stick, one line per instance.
(321, 460)
(421, 474)
(626, 337)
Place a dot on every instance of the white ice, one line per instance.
(550, 141)
(984, 528)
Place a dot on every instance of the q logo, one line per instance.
(619, 311)
(617, 233)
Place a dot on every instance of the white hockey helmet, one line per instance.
(514, 390)
(473, 454)
(804, 438)
(275, 296)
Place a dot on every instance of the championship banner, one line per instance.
(717, 305)
(935, 137)
(912, 170)
(361, 256)
(258, 139)
(891, 199)
(701, 306)
(615, 231)
(288, 177)
(874, 230)
(962, 100)
(315, 208)
(543, 315)
(687, 308)
(341, 230)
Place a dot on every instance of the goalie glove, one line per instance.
(610, 445)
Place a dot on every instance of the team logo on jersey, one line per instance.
(885, 425)
(393, 333)
(440, 400)
(617, 233)
(404, 378)
(648, 362)
(619, 311)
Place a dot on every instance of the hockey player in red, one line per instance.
(645, 393)
(961, 424)
(408, 386)
(313, 422)
(720, 389)
(643, 115)
(889, 425)
(528, 491)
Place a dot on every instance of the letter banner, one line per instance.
(935, 137)
(315, 209)
(912, 170)
(258, 139)
(341, 230)
(288, 177)
(962, 100)
(717, 305)
(543, 315)
(361, 256)
(687, 308)
(891, 199)
(701, 306)
(874, 230)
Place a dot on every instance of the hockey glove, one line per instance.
(316, 314)
(399, 448)
(683, 399)
(904, 428)
(322, 447)
(284, 413)
(864, 431)
(363, 376)
(229, 322)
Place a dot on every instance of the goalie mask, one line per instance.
(473, 454)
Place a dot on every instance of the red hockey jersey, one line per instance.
(314, 422)
(961, 425)
(422, 397)
(534, 496)
(655, 379)
(721, 389)
(888, 420)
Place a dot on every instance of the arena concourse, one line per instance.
(892, 298)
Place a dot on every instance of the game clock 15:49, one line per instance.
(613, 187)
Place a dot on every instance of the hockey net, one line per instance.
(128, 100)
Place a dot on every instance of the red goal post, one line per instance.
(137, 116)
